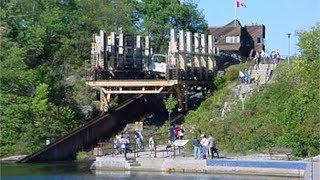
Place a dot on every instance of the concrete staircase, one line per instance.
(243, 90)
(265, 72)
(133, 162)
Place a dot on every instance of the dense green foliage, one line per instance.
(281, 114)
(44, 45)
(170, 104)
(309, 43)
(158, 16)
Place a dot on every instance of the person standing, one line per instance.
(277, 57)
(246, 76)
(210, 145)
(204, 146)
(257, 59)
(152, 147)
(241, 77)
(171, 134)
(176, 132)
(196, 148)
(213, 146)
(139, 140)
(181, 132)
(257, 79)
(262, 56)
(273, 56)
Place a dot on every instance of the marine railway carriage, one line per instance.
(125, 64)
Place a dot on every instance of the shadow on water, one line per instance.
(81, 171)
(36, 169)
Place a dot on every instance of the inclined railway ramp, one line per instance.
(88, 135)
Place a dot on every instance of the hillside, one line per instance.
(284, 113)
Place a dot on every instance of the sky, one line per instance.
(279, 16)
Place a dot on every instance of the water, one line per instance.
(81, 171)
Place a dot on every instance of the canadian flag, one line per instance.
(240, 4)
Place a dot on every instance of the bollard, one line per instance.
(155, 150)
(125, 153)
(311, 168)
(137, 150)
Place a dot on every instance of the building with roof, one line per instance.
(233, 38)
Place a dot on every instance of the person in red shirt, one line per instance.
(176, 132)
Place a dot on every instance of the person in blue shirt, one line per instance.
(196, 148)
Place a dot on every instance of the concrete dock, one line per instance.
(167, 163)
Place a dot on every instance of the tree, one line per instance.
(158, 17)
(170, 104)
(44, 45)
(309, 43)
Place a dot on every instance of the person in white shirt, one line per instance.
(263, 56)
(241, 77)
(152, 147)
(204, 146)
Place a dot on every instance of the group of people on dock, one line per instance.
(122, 141)
(205, 147)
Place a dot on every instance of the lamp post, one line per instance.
(289, 34)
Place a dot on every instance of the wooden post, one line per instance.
(204, 59)
(104, 100)
(146, 53)
(172, 55)
(180, 95)
(121, 43)
(182, 62)
(196, 53)
(213, 45)
(112, 50)
(173, 47)
(121, 57)
(101, 45)
(94, 55)
(189, 51)
(137, 58)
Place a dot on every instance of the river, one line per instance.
(81, 171)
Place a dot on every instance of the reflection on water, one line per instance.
(80, 171)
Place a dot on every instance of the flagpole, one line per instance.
(235, 12)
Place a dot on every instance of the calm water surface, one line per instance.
(81, 171)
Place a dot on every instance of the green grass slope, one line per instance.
(284, 113)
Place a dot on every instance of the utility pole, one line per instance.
(289, 34)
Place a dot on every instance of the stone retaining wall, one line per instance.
(189, 165)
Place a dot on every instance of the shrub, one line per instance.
(219, 83)
(232, 74)
(81, 155)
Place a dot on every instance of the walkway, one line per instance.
(265, 72)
